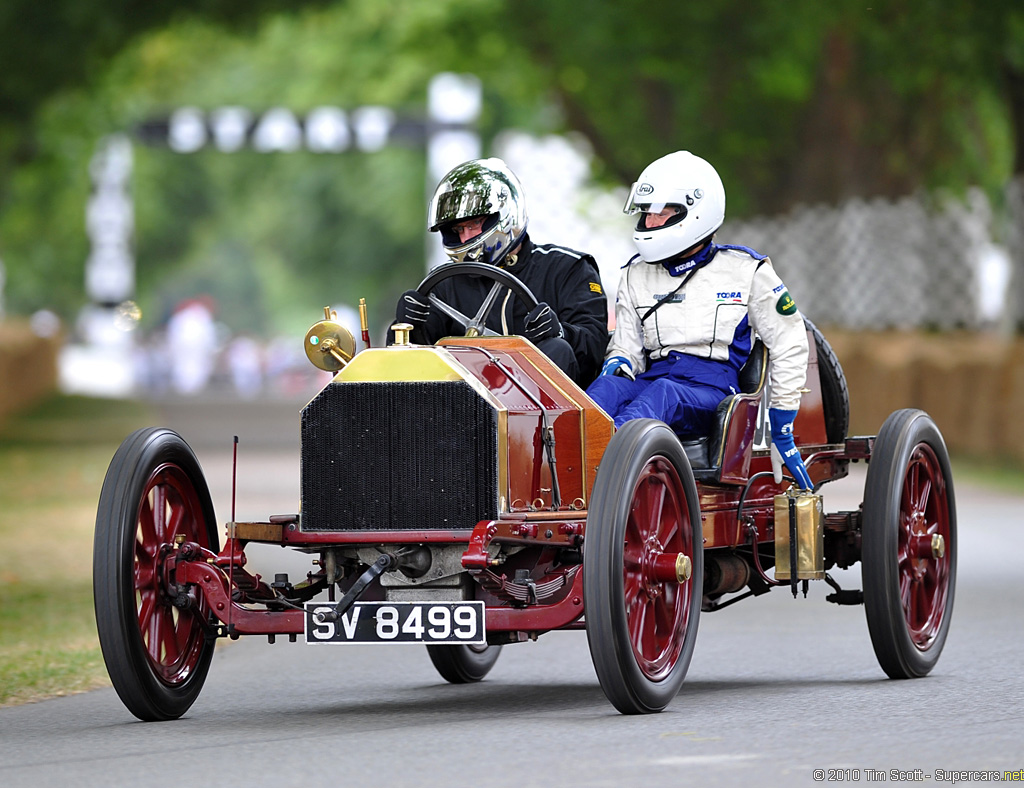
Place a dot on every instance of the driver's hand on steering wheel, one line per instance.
(542, 323)
(413, 308)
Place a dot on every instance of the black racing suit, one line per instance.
(568, 281)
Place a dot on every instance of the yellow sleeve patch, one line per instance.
(595, 287)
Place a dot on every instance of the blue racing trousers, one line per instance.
(682, 391)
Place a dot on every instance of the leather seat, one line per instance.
(705, 452)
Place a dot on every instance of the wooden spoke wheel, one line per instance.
(643, 568)
(909, 545)
(154, 639)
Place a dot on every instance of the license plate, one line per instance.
(400, 622)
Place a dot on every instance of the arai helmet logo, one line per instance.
(644, 189)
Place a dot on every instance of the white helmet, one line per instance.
(483, 187)
(688, 183)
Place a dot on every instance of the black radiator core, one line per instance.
(398, 456)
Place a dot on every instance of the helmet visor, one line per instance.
(450, 236)
(454, 205)
(639, 196)
(489, 246)
(639, 199)
(654, 216)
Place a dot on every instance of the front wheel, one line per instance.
(463, 664)
(155, 646)
(643, 568)
(909, 545)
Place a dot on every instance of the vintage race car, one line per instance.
(469, 495)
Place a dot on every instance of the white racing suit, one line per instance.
(686, 354)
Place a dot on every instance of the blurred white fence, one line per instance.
(917, 262)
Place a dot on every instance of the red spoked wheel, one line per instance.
(153, 634)
(655, 528)
(909, 545)
(643, 568)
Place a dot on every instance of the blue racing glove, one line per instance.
(784, 445)
(618, 365)
(412, 308)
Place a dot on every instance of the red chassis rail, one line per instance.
(719, 503)
(213, 583)
(723, 526)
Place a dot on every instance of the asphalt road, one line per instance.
(777, 687)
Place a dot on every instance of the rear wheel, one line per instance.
(909, 545)
(157, 653)
(835, 397)
(643, 568)
(463, 664)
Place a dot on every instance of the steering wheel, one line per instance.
(477, 325)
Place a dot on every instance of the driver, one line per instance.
(687, 309)
(480, 211)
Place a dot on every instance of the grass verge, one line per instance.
(1006, 475)
(52, 462)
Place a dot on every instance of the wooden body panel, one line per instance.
(809, 427)
(521, 378)
(747, 425)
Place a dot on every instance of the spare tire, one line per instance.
(835, 397)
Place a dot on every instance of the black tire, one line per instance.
(463, 664)
(908, 588)
(642, 628)
(835, 396)
(157, 655)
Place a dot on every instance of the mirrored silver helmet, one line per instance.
(480, 188)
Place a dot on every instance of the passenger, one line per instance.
(480, 211)
(687, 310)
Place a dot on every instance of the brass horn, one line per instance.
(328, 344)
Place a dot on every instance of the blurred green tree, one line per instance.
(52, 55)
(798, 102)
(48, 48)
(261, 232)
(795, 102)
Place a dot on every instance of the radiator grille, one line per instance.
(397, 456)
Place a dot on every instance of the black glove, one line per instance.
(542, 323)
(412, 308)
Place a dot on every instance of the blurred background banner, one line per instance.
(217, 173)
(106, 326)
